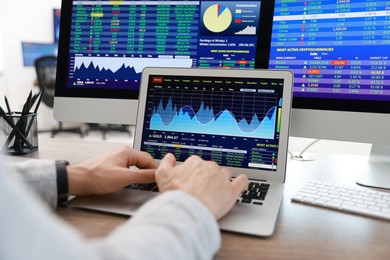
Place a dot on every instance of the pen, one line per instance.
(40, 99)
(20, 126)
(7, 104)
(40, 94)
(27, 105)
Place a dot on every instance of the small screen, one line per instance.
(232, 121)
(56, 24)
(110, 42)
(33, 51)
(336, 49)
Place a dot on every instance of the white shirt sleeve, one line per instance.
(40, 176)
(172, 226)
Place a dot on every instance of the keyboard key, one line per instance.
(255, 193)
(146, 186)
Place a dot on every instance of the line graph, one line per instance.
(227, 113)
(121, 68)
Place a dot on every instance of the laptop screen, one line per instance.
(231, 120)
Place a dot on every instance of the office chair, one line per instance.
(46, 68)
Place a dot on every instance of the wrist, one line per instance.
(77, 180)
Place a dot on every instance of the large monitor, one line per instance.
(104, 46)
(339, 52)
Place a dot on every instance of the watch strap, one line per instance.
(62, 181)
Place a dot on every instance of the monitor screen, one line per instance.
(339, 53)
(56, 24)
(32, 51)
(105, 45)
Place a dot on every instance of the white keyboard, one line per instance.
(356, 200)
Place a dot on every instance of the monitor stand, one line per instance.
(377, 172)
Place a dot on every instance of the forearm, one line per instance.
(173, 226)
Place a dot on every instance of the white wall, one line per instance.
(2, 84)
(1, 52)
(30, 21)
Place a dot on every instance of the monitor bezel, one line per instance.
(346, 105)
(287, 76)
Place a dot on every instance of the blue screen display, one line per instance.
(336, 49)
(112, 41)
(232, 121)
(56, 24)
(33, 51)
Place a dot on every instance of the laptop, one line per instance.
(238, 118)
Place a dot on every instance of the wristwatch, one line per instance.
(62, 181)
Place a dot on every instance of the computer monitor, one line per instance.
(56, 24)
(104, 46)
(339, 53)
(32, 51)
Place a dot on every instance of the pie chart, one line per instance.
(217, 18)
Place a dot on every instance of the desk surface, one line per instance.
(302, 232)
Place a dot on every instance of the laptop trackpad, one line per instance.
(125, 202)
(142, 201)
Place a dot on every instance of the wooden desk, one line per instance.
(302, 232)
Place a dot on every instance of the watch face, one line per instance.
(63, 162)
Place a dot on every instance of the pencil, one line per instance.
(7, 104)
(40, 99)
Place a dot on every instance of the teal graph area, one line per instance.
(204, 121)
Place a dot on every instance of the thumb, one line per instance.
(166, 164)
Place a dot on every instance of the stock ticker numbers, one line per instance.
(131, 32)
(335, 48)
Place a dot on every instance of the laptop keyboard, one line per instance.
(144, 186)
(255, 194)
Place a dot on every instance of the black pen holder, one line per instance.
(19, 133)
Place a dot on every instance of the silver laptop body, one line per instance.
(238, 118)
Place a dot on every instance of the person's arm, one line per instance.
(103, 174)
(177, 224)
(29, 230)
(40, 176)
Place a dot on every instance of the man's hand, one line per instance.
(204, 180)
(110, 172)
